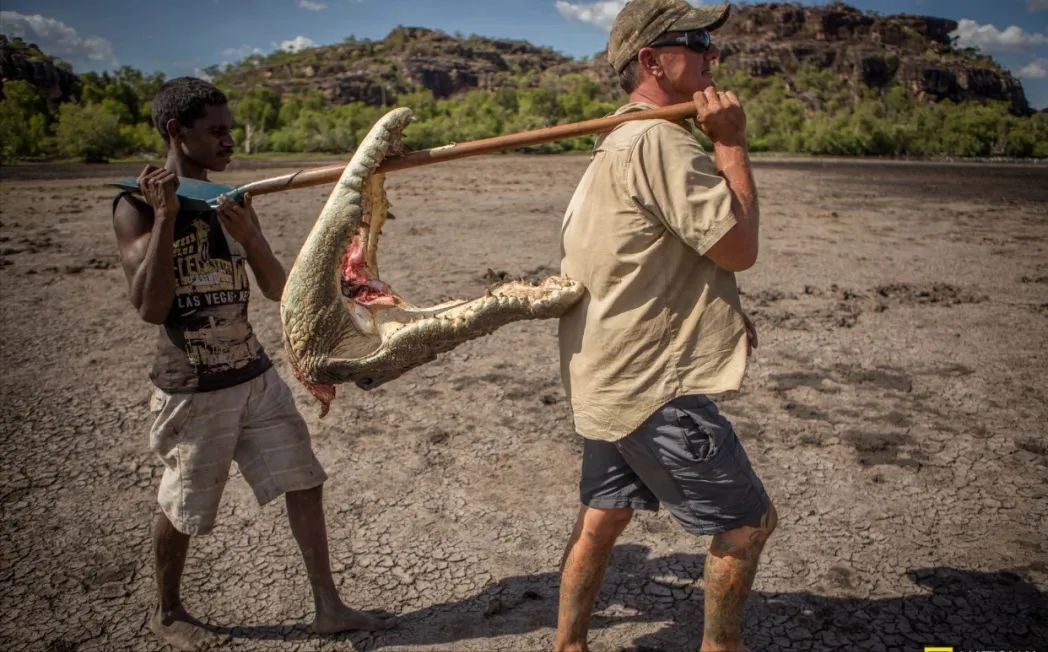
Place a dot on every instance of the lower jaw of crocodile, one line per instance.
(360, 330)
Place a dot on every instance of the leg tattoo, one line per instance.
(729, 572)
(582, 571)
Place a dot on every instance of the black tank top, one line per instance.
(206, 342)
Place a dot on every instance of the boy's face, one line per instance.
(209, 142)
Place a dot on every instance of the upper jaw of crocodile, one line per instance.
(342, 323)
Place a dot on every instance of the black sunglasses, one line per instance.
(698, 40)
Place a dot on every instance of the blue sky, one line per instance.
(182, 38)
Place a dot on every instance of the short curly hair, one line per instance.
(184, 99)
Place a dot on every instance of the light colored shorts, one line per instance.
(197, 435)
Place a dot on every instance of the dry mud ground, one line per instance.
(896, 411)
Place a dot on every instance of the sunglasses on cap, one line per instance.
(697, 40)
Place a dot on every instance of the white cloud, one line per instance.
(312, 6)
(991, 40)
(241, 52)
(56, 38)
(1037, 5)
(600, 14)
(297, 43)
(200, 74)
(1036, 69)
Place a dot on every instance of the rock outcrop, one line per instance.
(53, 77)
(762, 39)
(865, 48)
(408, 59)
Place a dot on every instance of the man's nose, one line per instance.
(713, 53)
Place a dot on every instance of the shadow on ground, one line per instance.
(965, 609)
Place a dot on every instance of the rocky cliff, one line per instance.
(764, 39)
(865, 48)
(408, 59)
(54, 78)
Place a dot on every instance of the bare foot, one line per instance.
(184, 632)
(344, 619)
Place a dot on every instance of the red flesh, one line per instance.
(360, 287)
(357, 283)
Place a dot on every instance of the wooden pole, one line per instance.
(331, 173)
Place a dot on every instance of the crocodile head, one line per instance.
(342, 323)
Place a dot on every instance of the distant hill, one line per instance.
(762, 40)
(53, 77)
(407, 60)
(868, 49)
(824, 80)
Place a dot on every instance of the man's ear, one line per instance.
(173, 129)
(649, 62)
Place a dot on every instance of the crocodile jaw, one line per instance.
(341, 323)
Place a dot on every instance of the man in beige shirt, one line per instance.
(656, 231)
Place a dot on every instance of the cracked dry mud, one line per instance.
(896, 411)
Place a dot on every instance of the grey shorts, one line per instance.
(685, 456)
(198, 436)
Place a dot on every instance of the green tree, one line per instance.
(293, 104)
(97, 88)
(422, 103)
(258, 111)
(142, 138)
(23, 122)
(89, 132)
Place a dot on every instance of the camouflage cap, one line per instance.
(642, 21)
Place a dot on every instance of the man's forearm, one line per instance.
(153, 288)
(733, 162)
(268, 271)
